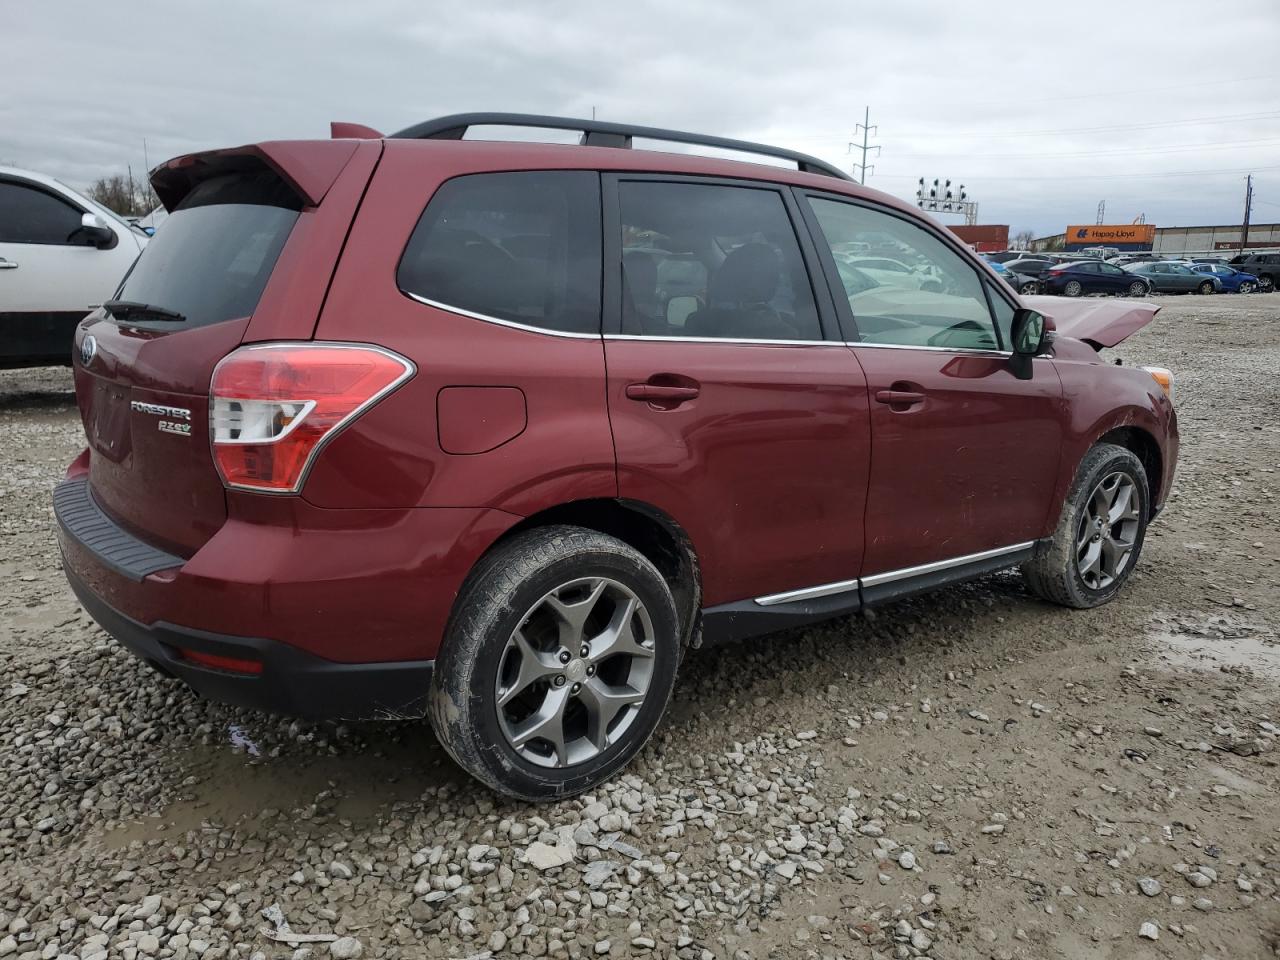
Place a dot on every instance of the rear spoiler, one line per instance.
(309, 167)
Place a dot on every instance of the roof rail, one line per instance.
(599, 133)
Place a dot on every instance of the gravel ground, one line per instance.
(968, 774)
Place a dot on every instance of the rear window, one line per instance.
(212, 258)
(516, 247)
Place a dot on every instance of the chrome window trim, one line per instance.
(499, 321)
(965, 351)
(747, 340)
(889, 576)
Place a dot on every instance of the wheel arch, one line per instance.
(1142, 444)
(646, 528)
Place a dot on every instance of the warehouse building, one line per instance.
(1173, 241)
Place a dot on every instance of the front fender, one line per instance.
(1100, 399)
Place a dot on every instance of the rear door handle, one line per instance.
(895, 397)
(660, 392)
(7, 264)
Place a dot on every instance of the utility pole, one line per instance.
(1248, 206)
(865, 147)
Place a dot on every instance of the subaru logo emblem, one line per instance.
(88, 349)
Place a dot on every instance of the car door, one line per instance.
(50, 274)
(1182, 279)
(964, 455)
(1112, 278)
(732, 410)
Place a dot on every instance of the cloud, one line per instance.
(1041, 111)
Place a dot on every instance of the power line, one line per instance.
(1107, 176)
(1146, 151)
(1111, 128)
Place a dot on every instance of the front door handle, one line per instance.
(899, 397)
(660, 392)
(7, 264)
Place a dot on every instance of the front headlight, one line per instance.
(1163, 377)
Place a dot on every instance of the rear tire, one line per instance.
(1205, 288)
(1098, 541)
(1073, 288)
(558, 663)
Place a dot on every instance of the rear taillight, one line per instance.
(274, 406)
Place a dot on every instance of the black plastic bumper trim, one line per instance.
(292, 682)
(114, 547)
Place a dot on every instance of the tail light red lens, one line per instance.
(274, 406)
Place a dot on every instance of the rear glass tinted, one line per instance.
(214, 254)
(519, 247)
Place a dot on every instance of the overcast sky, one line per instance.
(1041, 110)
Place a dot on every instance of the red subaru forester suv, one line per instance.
(494, 432)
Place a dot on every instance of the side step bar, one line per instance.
(796, 608)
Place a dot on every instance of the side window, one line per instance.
(1003, 312)
(28, 215)
(521, 247)
(705, 260)
(939, 303)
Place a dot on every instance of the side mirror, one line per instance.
(97, 233)
(679, 309)
(1028, 335)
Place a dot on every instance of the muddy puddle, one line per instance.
(1217, 643)
(237, 784)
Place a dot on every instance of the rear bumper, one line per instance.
(344, 609)
(291, 682)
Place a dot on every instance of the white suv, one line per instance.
(61, 254)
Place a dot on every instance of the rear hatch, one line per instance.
(144, 360)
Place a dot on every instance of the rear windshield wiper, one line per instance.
(124, 308)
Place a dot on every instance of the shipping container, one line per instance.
(1129, 236)
(984, 238)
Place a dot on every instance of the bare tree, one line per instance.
(124, 195)
(1022, 239)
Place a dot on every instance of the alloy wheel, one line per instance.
(1206, 287)
(1073, 288)
(1246, 287)
(1108, 530)
(1137, 289)
(1029, 288)
(575, 672)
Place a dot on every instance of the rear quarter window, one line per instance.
(519, 248)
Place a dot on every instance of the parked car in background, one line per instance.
(1080, 277)
(1025, 273)
(1002, 256)
(1168, 277)
(888, 270)
(61, 254)
(1233, 280)
(1264, 266)
(410, 431)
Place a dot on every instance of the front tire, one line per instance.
(1246, 287)
(1139, 289)
(1205, 288)
(1100, 532)
(1030, 288)
(1073, 288)
(558, 663)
